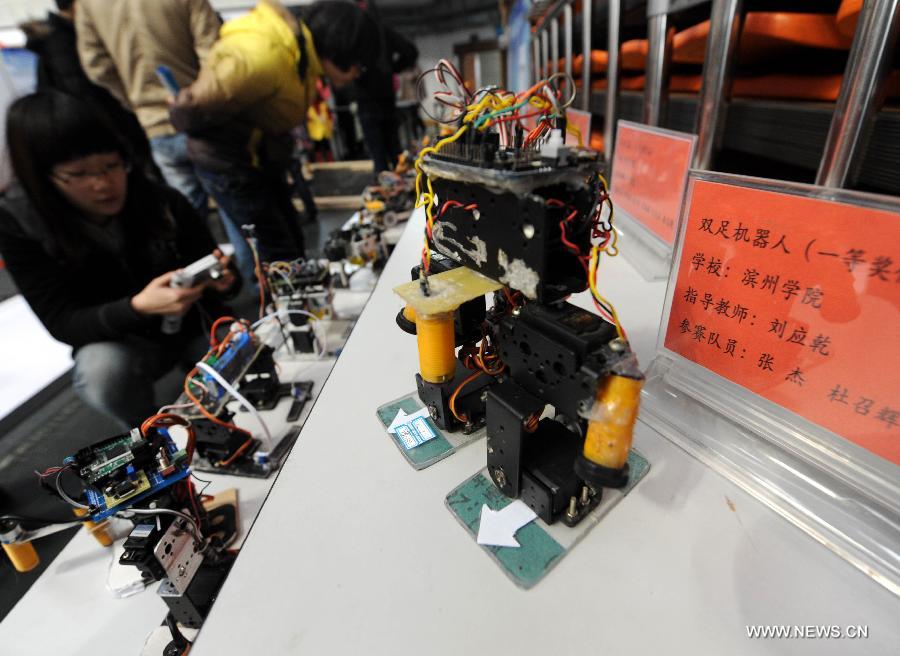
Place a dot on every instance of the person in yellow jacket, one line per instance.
(256, 84)
(320, 126)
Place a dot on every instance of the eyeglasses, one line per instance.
(83, 178)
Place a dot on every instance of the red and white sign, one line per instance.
(798, 300)
(650, 170)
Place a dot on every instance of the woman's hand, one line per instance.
(226, 281)
(158, 298)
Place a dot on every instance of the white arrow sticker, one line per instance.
(399, 420)
(498, 528)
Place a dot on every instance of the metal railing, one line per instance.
(860, 98)
(547, 56)
(862, 92)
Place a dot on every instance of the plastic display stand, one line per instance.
(809, 430)
(649, 178)
(423, 443)
(647, 253)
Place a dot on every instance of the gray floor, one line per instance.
(61, 425)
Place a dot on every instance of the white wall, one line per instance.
(434, 47)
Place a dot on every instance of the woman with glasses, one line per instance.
(92, 244)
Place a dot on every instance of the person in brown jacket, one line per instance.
(53, 41)
(120, 44)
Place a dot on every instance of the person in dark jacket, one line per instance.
(59, 69)
(376, 98)
(92, 244)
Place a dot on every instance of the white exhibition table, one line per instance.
(69, 609)
(354, 552)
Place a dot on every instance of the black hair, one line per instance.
(64, 5)
(342, 33)
(49, 128)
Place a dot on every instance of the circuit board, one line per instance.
(110, 456)
(123, 470)
(230, 364)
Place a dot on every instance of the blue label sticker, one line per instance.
(423, 429)
(415, 433)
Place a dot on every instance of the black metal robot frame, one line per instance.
(556, 386)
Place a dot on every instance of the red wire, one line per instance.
(192, 494)
(553, 202)
(213, 340)
(565, 240)
(455, 203)
(447, 204)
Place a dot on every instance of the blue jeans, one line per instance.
(261, 198)
(170, 154)
(117, 378)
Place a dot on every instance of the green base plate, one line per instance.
(437, 448)
(542, 545)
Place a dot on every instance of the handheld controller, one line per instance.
(206, 268)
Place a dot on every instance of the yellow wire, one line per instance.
(426, 151)
(573, 129)
(592, 281)
(427, 198)
(612, 210)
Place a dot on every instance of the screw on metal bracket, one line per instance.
(432, 410)
(585, 496)
(572, 512)
(181, 570)
(500, 477)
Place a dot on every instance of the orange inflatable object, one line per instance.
(599, 62)
(765, 35)
(847, 16)
(633, 55)
(781, 86)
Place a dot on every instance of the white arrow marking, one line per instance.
(498, 528)
(399, 420)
